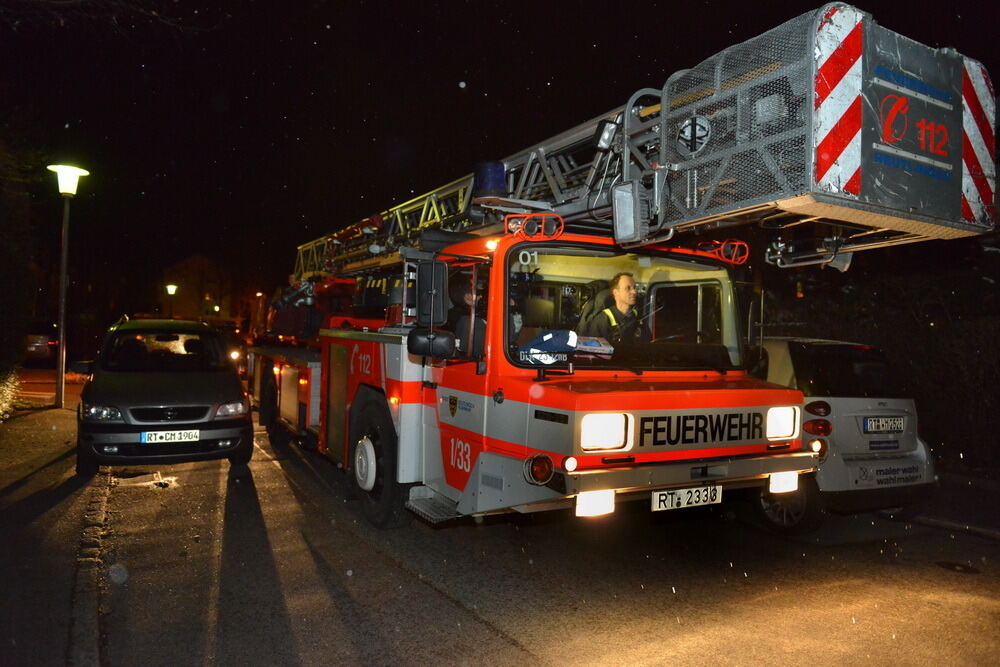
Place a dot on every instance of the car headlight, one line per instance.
(232, 409)
(604, 431)
(782, 423)
(99, 413)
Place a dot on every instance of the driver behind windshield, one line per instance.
(619, 323)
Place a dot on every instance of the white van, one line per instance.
(871, 456)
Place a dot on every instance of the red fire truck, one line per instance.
(445, 352)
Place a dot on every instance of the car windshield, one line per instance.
(163, 351)
(665, 311)
(843, 370)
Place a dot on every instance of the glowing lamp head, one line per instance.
(171, 289)
(595, 503)
(605, 431)
(782, 423)
(783, 482)
(68, 177)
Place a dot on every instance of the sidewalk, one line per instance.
(42, 509)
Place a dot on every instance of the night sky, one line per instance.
(243, 129)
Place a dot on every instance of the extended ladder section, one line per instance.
(831, 132)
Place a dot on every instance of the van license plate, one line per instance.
(170, 436)
(883, 425)
(673, 499)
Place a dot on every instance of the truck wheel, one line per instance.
(85, 465)
(793, 513)
(372, 477)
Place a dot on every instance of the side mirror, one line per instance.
(432, 286)
(431, 343)
(82, 367)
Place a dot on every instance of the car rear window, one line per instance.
(843, 370)
(163, 351)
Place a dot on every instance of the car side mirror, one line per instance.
(82, 367)
(431, 343)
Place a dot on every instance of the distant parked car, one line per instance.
(161, 391)
(41, 343)
(871, 456)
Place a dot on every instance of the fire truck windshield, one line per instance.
(593, 308)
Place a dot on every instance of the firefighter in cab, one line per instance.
(619, 323)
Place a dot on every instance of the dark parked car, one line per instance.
(161, 391)
(41, 343)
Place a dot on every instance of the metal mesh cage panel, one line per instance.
(738, 125)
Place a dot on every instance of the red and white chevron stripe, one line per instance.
(978, 145)
(837, 121)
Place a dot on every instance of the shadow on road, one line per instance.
(18, 483)
(23, 512)
(250, 591)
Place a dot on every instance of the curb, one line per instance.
(954, 525)
(84, 636)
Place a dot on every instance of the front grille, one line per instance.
(184, 413)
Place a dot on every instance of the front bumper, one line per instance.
(93, 439)
(498, 483)
(732, 472)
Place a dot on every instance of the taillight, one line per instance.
(818, 427)
(818, 408)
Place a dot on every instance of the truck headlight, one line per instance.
(99, 413)
(232, 409)
(782, 423)
(601, 431)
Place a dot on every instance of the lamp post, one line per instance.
(171, 291)
(68, 178)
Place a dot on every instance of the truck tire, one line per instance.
(85, 465)
(795, 513)
(372, 461)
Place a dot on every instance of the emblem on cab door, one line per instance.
(453, 405)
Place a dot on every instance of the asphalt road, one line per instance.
(195, 564)
(205, 566)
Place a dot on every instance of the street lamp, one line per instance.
(68, 178)
(171, 290)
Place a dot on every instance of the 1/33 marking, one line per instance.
(461, 455)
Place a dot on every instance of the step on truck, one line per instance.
(560, 329)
